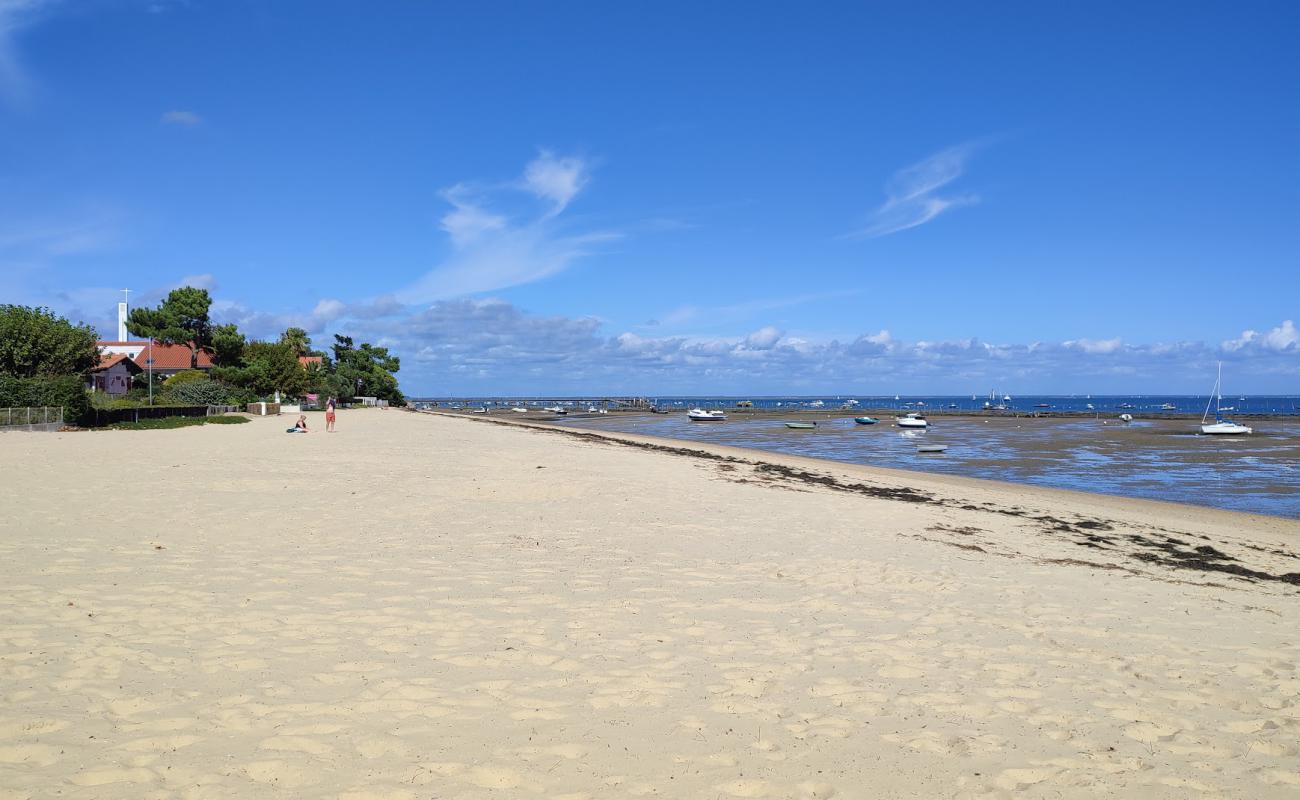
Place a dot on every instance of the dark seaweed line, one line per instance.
(1165, 553)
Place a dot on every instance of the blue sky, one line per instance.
(755, 198)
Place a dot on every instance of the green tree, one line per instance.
(35, 342)
(228, 345)
(182, 318)
(268, 367)
(298, 341)
(366, 371)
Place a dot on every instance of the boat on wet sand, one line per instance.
(931, 448)
(912, 421)
(700, 415)
(801, 426)
(865, 420)
(1220, 426)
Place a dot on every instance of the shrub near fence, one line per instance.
(109, 416)
(68, 391)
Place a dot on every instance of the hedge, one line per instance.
(68, 391)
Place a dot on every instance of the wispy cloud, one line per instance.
(187, 119)
(555, 178)
(494, 250)
(913, 194)
(14, 16)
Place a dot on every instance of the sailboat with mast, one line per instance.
(1220, 426)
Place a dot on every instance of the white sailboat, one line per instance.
(1220, 426)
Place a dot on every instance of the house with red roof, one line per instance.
(113, 374)
(164, 359)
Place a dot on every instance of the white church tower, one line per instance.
(121, 315)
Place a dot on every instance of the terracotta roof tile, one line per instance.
(171, 356)
(107, 360)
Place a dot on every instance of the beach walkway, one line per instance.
(420, 606)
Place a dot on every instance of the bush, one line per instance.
(200, 392)
(182, 378)
(169, 423)
(68, 391)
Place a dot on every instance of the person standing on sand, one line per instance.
(329, 415)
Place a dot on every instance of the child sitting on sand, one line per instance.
(300, 426)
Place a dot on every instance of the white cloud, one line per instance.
(912, 194)
(764, 338)
(1096, 345)
(183, 118)
(492, 251)
(556, 179)
(1283, 338)
(466, 222)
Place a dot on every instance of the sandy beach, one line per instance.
(421, 606)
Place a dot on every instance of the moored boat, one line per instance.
(912, 421)
(931, 448)
(865, 420)
(700, 415)
(1220, 426)
(801, 426)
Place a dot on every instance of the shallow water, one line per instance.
(1162, 460)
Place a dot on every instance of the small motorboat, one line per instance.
(1126, 417)
(556, 410)
(801, 426)
(931, 448)
(700, 415)
(865, 420)
(912, 421)
(1168, 407)
(519, 410)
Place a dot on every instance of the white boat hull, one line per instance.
(913, 423)
(1226, 429)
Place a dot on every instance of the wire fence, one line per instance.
(31, 415)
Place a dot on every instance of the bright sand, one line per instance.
(426, 607)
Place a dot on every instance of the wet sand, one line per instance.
(1158, 459)
(424, 606)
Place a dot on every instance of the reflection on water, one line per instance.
(1162, 460)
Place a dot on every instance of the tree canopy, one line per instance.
(228, 345)
(268, 367)
(298, 341)
(35, 342)
(182, 318)
(366, 371)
